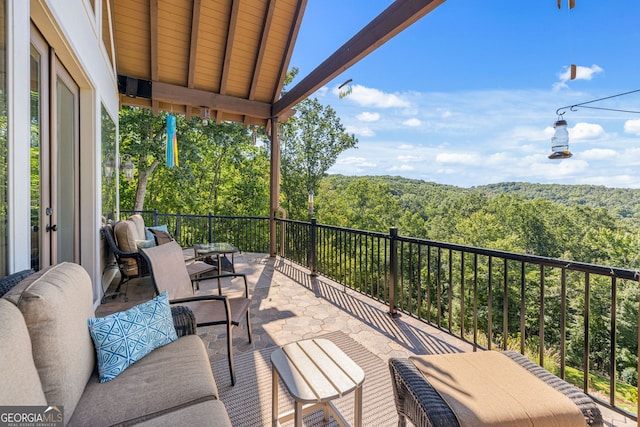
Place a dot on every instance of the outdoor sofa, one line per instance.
(49, 359)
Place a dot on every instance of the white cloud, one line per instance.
(367, 116)
(366, 96)
(632, 126)
(356, 161)
(598, 154)
(445, 114)
(460, 158)
(405, 147)
(582, 131)
(401, 168)
(407, 159)
(360, 131)
(412, 122)
(582, 73)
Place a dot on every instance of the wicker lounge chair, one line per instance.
(417, 400)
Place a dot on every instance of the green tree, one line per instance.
(311, 142)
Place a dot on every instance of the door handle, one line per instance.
(53, 227)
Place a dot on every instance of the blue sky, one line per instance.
(468, 94)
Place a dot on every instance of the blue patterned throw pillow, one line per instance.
(125, 337)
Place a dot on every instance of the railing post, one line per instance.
(155, 217)
(312, 246)
(210, 220)
(393, 271)
(178, 235)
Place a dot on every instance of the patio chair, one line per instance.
(169, 273)
(129, 263)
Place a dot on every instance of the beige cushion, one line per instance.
(487, 388)
(18, 374)
(126, 235)
(138, 222)
(56, 303)
(210, 413)
(168, 378)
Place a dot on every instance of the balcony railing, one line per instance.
(575, 319)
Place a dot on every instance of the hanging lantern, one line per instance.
(108, 166)
(128, 167)
(560, 141)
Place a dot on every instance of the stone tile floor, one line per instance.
(289, 305)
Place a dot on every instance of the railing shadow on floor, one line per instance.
(415, 340)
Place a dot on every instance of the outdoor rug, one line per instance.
(249, 401)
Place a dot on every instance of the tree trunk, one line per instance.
(143, 180)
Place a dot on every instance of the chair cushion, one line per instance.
(125, 337)
(170, 377)
(56, 303)
(126, 235)
(138, 222)
(18, 372)
(161, 237)
(145, 243)
(149, 230)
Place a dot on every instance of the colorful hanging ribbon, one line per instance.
(172, 142)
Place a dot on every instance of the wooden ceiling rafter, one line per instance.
(228, 52)
(193, 49)
(255, 77)
(286, 58)
(153, 22)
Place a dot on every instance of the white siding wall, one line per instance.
(73, 29)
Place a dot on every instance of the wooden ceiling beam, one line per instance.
(153, 40)
(175, 94)
(228, 52)
(397, 17)
(193, 50)
(286, 58)
(262, 47)
(193, 46)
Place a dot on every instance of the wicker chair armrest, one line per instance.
(8, 282)
(416, 398)
(183, 320)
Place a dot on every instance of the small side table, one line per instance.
(218, 250)
(315, 372)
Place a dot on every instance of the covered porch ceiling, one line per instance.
(230, 57)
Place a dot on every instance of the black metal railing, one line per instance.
(578, 320)
(249, 234)
(565, 315)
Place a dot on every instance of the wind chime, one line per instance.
(171, 151)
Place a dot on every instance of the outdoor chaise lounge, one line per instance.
(441, 391)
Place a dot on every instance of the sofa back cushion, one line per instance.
(126, 235)
(138, 222)
(18, 373)
(56, 304)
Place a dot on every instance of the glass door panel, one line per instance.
(65, 214)
(54, 159)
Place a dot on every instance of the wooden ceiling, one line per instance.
(229, 58)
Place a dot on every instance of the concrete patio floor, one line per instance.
(289, 305)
